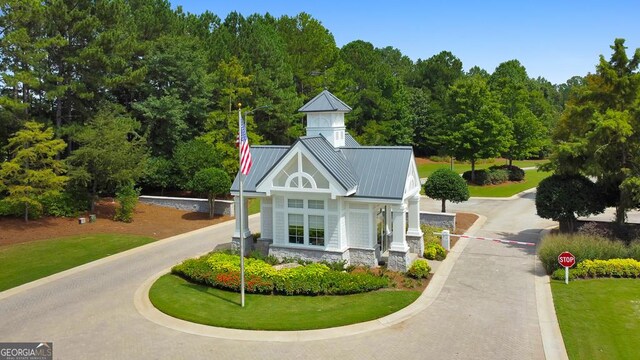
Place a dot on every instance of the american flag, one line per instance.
(245, 151)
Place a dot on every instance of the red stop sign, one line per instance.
(567, 259)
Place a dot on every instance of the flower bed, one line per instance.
(222, 270)
(620, 268)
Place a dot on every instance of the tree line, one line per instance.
(141, 93)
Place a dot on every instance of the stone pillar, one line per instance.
(414, 233)
(398, 250)
(248, 239)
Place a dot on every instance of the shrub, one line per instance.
(634, 250)
(514, 173)
(445, 184)
(195, 270)
(497, 176)
(222, 270)
(65, 204)
(213, 182)
(127, 197)
(434, 251)
(592, 228)
(10, 209)
(420, 269)
(628, 268)
(583, 247)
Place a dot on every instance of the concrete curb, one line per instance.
(552, 340)
(147, 310)
(90, 265)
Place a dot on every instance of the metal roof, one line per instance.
(325, 102)
(376, 171)
(263, 158)
(381, 171)
(332, 159)
(349, 141)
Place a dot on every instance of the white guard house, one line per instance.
(327, 198)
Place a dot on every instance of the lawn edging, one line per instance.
(90, 265)
(146, 309)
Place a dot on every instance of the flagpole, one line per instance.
(240, 210)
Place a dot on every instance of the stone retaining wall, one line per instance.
(221, 207)
(444, 220)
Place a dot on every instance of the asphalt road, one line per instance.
(486, 310)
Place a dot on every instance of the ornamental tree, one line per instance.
(445, 184)
(32, 171)
(563, 198)
(212, 181)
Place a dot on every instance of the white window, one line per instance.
(306, 222)
(296, 229)
(316, 204)
(296, 203)
(316, 230)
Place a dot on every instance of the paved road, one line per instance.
(486, 310)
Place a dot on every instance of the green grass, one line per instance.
(599, 318)
(424, 170)
(22, 263)
(254, 206)
(532, 179)
(205, 305)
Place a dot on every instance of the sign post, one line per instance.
(567, 260)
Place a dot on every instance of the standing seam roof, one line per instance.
(332, 159)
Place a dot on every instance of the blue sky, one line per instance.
(554, 39)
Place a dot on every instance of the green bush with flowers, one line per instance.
(222, 270)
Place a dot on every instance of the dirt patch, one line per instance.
(153, 221)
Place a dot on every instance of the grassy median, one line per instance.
(205, 305)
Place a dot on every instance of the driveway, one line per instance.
(486, 309)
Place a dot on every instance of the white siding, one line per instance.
(333, 231)
(359, 228)
(278, 220)
(266, 218)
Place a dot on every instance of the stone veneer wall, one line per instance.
(416, 244)
(221, 207)
(282, 252)
(365, 257)
(444, 220)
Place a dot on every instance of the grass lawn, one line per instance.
(205, 305)
(254, 206)
(531, 180)
(424, 170)
(599, 318)
(25, 262)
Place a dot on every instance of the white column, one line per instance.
(398, 240)
(414, 217)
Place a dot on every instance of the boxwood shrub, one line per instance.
(420, 269)
(222, 270)
(514, 173)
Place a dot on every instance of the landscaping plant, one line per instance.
(420, 269)
(127, 198)
(445, 184)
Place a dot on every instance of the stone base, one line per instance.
(416, 244)
(248, 244)
(282, 252)
(262, 245)
(398, 261)
(365, 257)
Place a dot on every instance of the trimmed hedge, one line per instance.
(222, 270)
(620, 268)
(495, 175)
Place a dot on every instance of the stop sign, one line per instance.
(567, 259)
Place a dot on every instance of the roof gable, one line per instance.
(325, 102)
